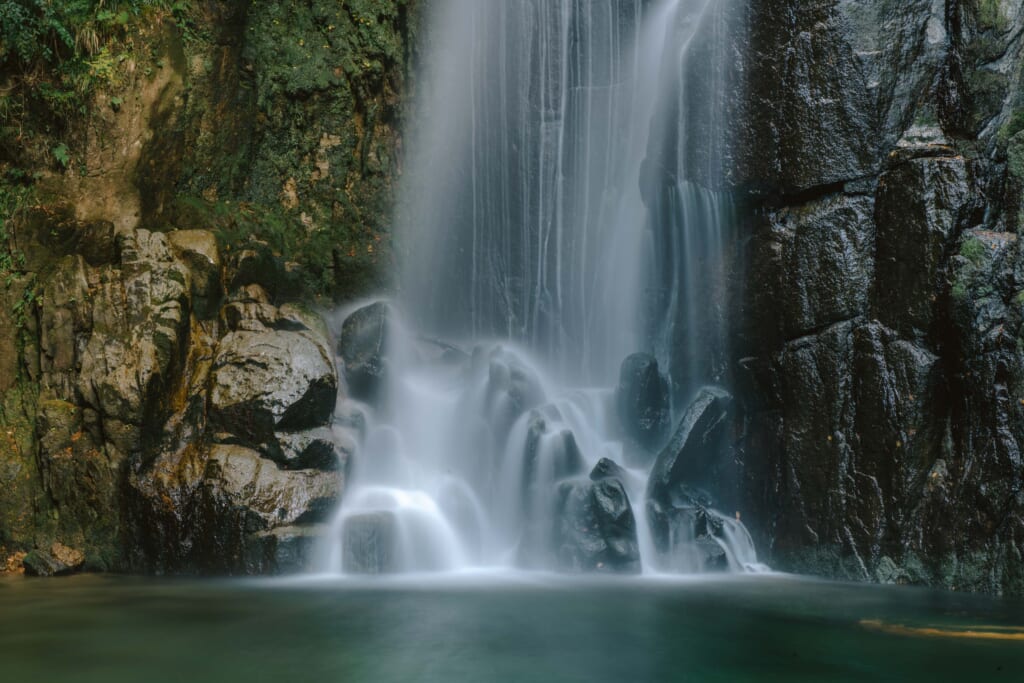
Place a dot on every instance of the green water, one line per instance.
(495, 629)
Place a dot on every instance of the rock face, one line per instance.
(175, 429)
(879, 348)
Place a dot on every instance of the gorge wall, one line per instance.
(879, 342)
(246, 159)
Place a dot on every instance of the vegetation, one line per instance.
(56, 54)
(990, 15)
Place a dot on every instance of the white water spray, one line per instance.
(524, 222)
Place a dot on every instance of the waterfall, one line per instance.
(551, 225)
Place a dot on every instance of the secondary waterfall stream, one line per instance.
(550, 230)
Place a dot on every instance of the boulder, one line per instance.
(607, 469)
(271, 381)
(363, 347)
(239, 484)
(595, 528)
(316, 449)
(698, 444)
(57, 560)
(642, 400)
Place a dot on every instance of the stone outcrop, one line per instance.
(176, 428)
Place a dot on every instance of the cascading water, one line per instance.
(550, 230)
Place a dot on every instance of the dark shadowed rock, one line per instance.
(57, 560)
(642, 400)
(814, 264)
(316, 449)
(241, 486)
(263, 382)
(363, 347)
(699, 442)
(595, 528)
(922, 205)
(607, 469)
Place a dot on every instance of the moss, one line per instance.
(974, 250)
(990, 15)
(25, 511)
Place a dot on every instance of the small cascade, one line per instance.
(533, 398)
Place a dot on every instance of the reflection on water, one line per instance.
(499, 628)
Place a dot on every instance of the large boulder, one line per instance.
(270, 381)
(699, 442)
(595, 528)
(642, 400)
(240, 485)
(363, 347)
(57, 560)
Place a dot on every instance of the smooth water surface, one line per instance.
(503, 628)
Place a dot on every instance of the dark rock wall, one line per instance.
(879, 322)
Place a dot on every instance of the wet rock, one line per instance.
(922, 205)
(264, 382)
(256, 264)
(241, 486)
(808, 117)
(814, 265)
(550, 455)
(607, 469)
(317, 449)
(285, 550)
(511, 388)
(687, 532)
(642, 400)
(596, 529)
(371, 543)
(57, 560)
(699, 442)
(363, 347)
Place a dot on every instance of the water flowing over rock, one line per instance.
(565, 229)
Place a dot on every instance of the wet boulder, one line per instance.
(550, 455)
(57, 560)
(270, 381)
(315, 449)
(642, 400)
(686, 532)
(698, 444)
(241, 486)
(363, 347)
(595, 528)
(607, 469)
(510, 389)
